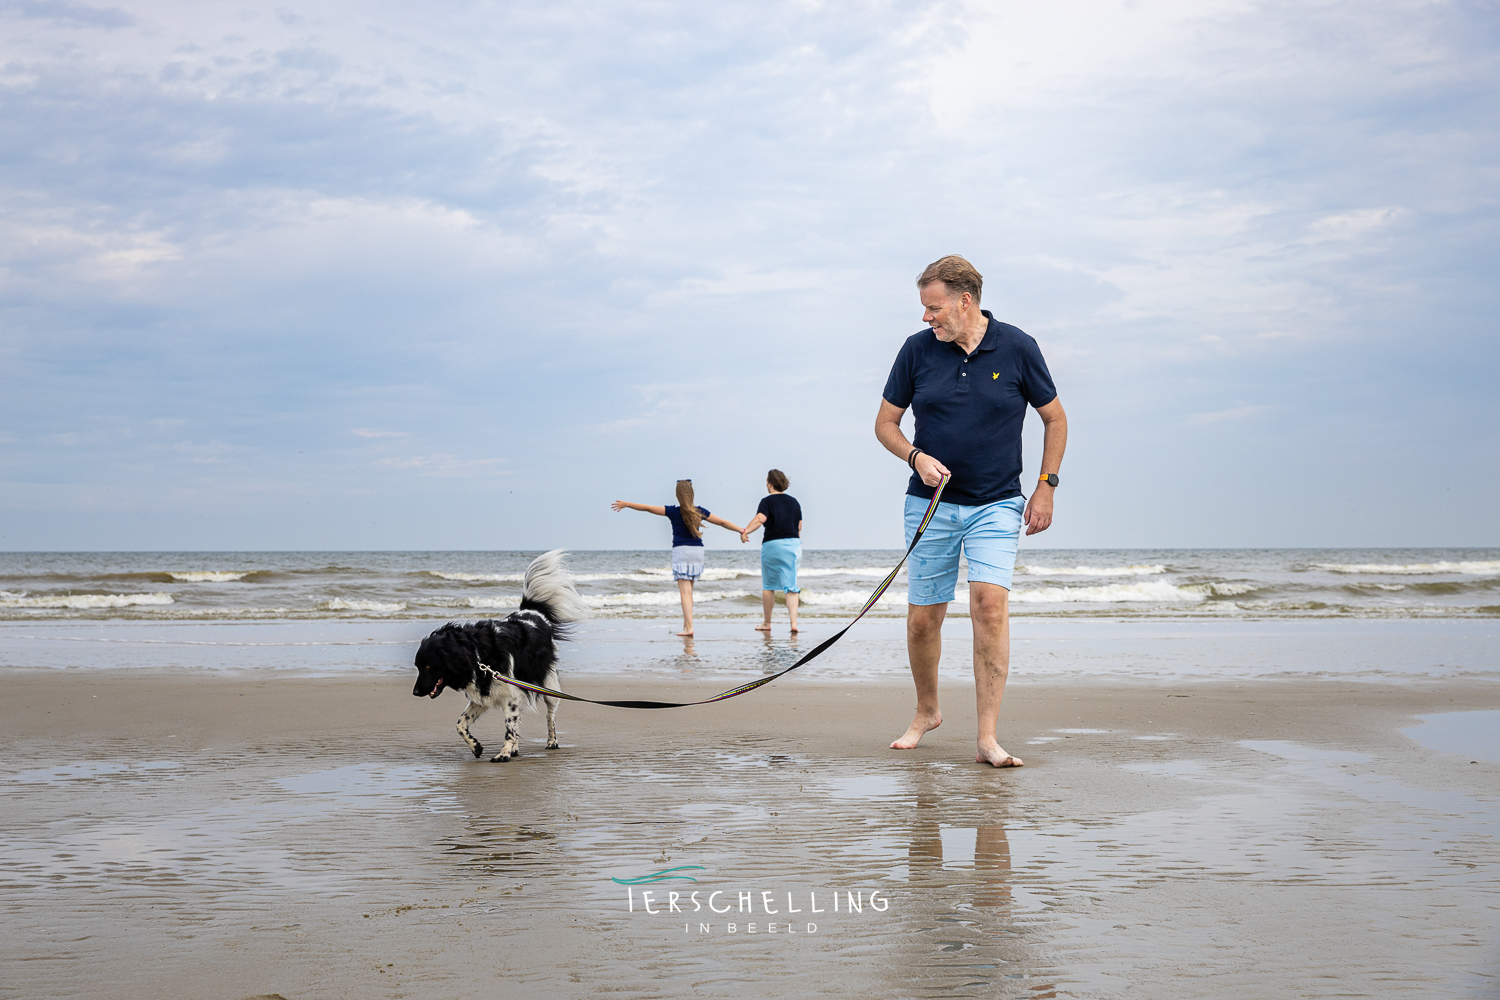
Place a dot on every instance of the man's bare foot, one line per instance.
(763, 628)
(795, 630)
(920, 726)
(686, 633)
(992, 754)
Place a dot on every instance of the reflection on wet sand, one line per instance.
(982, 849)
(1113, 865)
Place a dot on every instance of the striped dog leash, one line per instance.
(932, 506)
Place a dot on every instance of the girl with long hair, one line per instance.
(687, 541)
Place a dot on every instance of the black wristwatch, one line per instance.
(1050, 478)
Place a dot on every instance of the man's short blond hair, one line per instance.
(956, 274)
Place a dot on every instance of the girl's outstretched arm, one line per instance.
(656, 509)
(755, 522)
(716, 519)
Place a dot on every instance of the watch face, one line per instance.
(1051, 479)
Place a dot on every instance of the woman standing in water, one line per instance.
(687, 541)
(780, 547)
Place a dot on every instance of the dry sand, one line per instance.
(179, 835)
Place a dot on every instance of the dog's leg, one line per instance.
(551, 723)
(512, 746)
(472, 713)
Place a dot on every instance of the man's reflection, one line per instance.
(991, 858)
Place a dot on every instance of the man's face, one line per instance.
(943, 312)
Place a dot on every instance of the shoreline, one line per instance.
(1157, 651)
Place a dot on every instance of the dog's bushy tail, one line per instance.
(548, 588)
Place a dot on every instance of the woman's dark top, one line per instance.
(783, 514)
(680, 534)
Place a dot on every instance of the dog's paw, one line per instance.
(478, 750)
(552, 745)
(500, 758)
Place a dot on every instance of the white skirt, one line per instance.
(687, 562)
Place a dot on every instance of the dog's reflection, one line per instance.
(991, 855)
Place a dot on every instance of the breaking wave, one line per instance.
(852, 598)
(875, 572)
(651, 574)
(340, 604)
(654, 574)
(83, 602)
(1154, 591)
(661, 598)
(494, 602)
(479, 577)
(208, 576)
(1139, 570)
(1110, 593)
(1468, 568)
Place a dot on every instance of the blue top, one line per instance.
(783, 514)
(680, 534)
(969, 409)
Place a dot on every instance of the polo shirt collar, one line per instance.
(991, 335)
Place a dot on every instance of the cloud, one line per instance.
(603, 240)
(67, 13)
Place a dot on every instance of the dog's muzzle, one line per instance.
(437, 689)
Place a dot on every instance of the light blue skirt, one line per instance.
(779, 559)
(687, 562)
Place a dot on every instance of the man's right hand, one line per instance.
(930, 469)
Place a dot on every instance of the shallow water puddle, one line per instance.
(1474, 734)
(358, 783)
(91, 769)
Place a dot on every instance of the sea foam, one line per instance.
(83, 602)
(340, 604)
(207, 576)
(494, 602)
(662, 598)
(1154, 591)
(1471, 568)
(1138, 570)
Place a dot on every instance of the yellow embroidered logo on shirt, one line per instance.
(994, 374)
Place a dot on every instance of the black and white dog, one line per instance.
(467, 658)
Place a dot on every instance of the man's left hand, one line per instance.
(1039, 510)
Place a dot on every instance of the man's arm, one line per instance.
(888, 433)
(1054, 443)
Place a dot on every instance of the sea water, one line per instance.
(1239, 584)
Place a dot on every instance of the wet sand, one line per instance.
(210, 836)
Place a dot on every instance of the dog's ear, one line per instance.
(456, 654)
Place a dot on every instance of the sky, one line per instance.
(457, 275)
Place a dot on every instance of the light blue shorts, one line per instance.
(987, 535)
(687, 562)
(779, 559)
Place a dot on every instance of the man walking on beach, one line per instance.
(968, 379)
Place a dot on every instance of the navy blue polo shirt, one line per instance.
(969, 409)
